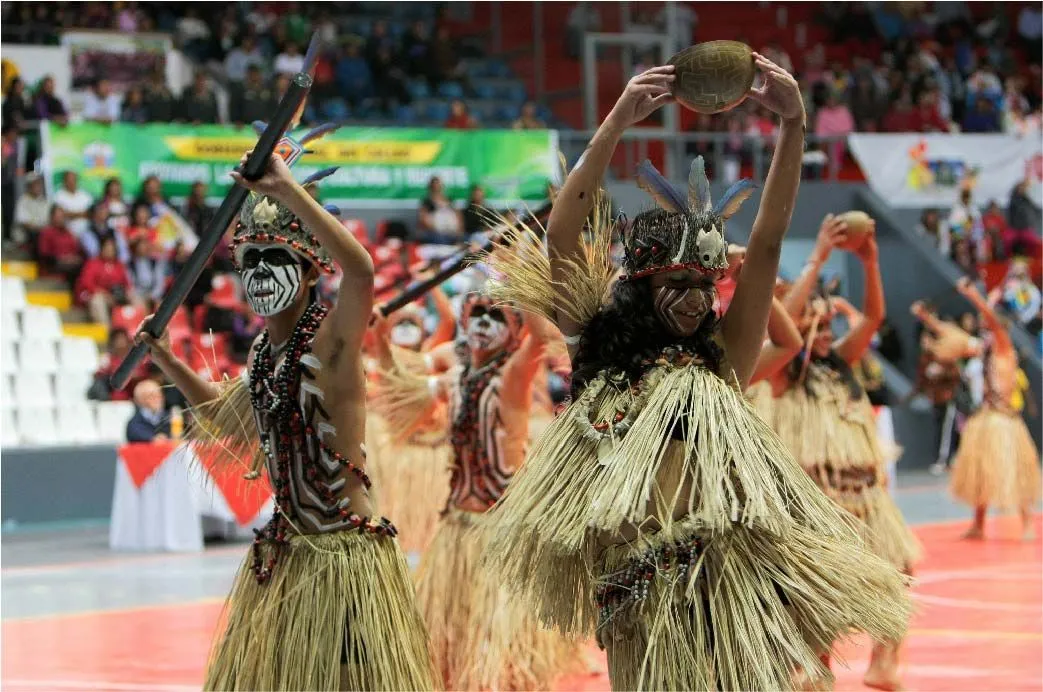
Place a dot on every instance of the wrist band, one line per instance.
(573, 340)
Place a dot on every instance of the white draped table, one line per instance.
(168, 499)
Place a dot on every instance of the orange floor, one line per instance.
(979, 627)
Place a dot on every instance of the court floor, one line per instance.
(77, 617)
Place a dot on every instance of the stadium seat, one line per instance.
(76, 423)
(7, 392)
(336, 110)
(437, 111)
(71, 386)
(450, 90)
(209, 352)
(36, 425)
(33, 389)
(127, 317)
(224, 292)
(485, 91)
(42, 323)
(76, 355)
(40, 356)
(418, 89)
(9, 326)
(8, 429)
(13, 297)
(405, 115)
(113, 417)
(8, 357)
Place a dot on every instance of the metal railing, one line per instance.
(725, 154)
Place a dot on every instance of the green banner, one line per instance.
(376, 165)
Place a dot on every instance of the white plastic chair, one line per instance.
(8, 430)
(10, 329)
(71, 387)
(113, 417)
(36, 425)
(38, 355)
(76, 423)
(12, 297)
(42, 323)
(33, 389)
(77, 354)
(8, 357)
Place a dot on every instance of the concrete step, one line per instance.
(60, 300)
(90, 330)
(20, 268)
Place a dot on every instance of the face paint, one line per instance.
(485, 332)
(272, 279)
(407, 334)
(682, 310)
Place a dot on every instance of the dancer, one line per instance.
(997, 463)
(409, 465)
(825, 419)
(782, 344)
(658, 511)
(323, 601)
(480, 637)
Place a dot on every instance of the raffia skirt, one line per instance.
(997, 464)
(410, 481)
(339, 613)
(482, 638)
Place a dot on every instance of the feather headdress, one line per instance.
(266, 221)
(685, 231)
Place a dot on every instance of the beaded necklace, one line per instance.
(274, 397)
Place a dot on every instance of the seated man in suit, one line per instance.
(150, 421)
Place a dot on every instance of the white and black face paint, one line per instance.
(407, 334)
(682, 310)
(487, 330)
(272, 278)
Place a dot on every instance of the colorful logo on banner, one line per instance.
(927, 172)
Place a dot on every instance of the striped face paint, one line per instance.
(272, 279)
(682, 310)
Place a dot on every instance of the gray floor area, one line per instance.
(71, 569)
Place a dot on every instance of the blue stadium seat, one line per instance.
(405, 115)
(508, 113)
(418, 89)
(498, 68)
(437, 111)
(516, 92)
(450, 90)
(485, 91)
(335, 109)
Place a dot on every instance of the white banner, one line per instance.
(926, 170)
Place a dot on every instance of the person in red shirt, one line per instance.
(103, 283)
(930, 119)
(901, 117)
(459, 118)
(59, 249)
(995, 223)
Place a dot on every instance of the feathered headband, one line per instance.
(682, 233)
(266, 221)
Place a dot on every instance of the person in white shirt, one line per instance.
(32, 211)
(76, 203)
(290, 61)
(102, 105)
(246, 54)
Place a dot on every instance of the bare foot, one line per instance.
(973, 534)
(882, 673)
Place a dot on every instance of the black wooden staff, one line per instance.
(456, 263)
(253, 169)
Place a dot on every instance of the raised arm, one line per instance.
(928, 318)
(446, 320)
(350, 316)
(644, 94)
(783, 343)
(520, 369)
(831, 233)
(856, 342)
(1001, 338)
(744, 324)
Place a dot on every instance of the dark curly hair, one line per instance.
(627, 331)
(833, 362)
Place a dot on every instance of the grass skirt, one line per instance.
(331, 596)
(780, 572)
(410, 480)
(835, 440)
(997, 464)
(481, 637)
(760, 397)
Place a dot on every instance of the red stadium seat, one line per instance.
(209, 352)
(127, 318)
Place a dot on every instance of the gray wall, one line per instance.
(56, 484)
